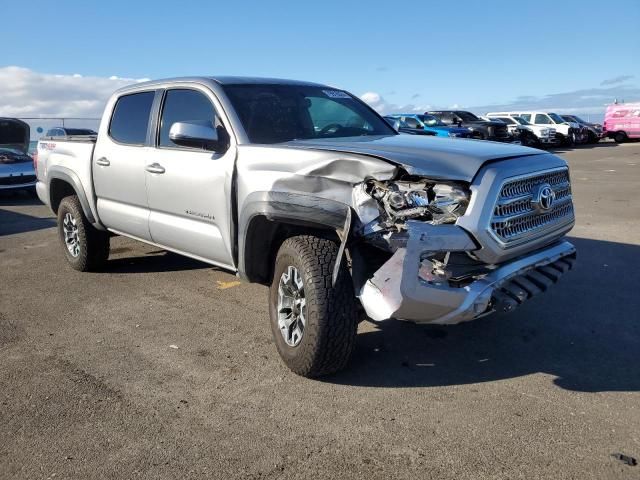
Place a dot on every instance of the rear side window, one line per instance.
(526, 116)
(130, 119)
(184, 106)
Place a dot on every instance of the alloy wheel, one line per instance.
(71, 238)
(292, 306)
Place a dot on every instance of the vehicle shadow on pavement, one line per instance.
(14, 222)
(585, 332)
(152, 262)
(584, 146)
(8, 200)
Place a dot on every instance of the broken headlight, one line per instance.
(420, 200)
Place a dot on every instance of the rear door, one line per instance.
(188, 188)
(120, 156)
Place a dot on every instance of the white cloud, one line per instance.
(379, 104)
(26, 93)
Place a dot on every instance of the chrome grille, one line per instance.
(515, 217)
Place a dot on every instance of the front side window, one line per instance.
(280, 113)
(446, 118)
(182, 105)
(521, 121)
(542, 119)
(430, 121)
(412, 122)
(130, 119)
(556, 118)
(467, 116)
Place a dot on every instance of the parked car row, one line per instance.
(530, 128)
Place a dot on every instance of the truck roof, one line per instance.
(220, 80)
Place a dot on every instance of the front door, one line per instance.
(119, 160)
(189, 189)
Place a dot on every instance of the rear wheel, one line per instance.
(314, 324)
(85, 247)
(620, 137)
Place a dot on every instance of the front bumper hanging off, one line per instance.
(397, 291)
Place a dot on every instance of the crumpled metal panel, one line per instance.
(433, 157)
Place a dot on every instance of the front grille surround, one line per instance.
(514, 219)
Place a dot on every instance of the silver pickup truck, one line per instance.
(304, 188)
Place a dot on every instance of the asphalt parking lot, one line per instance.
(164, 367)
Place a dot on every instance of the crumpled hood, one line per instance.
(434, 157)
(14, 134)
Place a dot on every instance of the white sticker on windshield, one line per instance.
(336, 94)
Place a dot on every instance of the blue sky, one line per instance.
(409, 54)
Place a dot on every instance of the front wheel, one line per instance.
(314, 323)
(85, 247)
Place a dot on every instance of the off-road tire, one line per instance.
(331, 312)
(94, 244)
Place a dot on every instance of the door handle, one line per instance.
(103, 162)
(155, 168)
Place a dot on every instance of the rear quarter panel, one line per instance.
(65, 156)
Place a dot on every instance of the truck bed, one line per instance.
(71, 156)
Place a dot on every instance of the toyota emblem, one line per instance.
(543, 198)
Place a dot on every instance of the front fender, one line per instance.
(291, 208)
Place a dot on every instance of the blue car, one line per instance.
(430, 123)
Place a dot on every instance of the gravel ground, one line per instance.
(163, 367)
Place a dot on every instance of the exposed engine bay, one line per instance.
(436, 203)
(414, 199)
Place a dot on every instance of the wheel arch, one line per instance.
(269, 218)
(64, 182)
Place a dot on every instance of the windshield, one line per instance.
(279, 113)
(556, 118)
(12, 155)
(430, 121)
(574, 118)
(467, 116)
(521, 120)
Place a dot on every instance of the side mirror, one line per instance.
(195, 134)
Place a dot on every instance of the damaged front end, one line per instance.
(412, 261)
